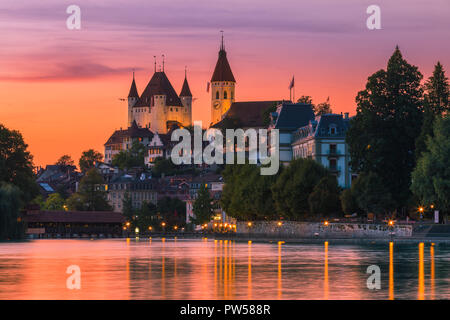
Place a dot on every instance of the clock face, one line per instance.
(216, 105)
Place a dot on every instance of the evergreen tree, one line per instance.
(436, 103)
(382, 135)
(431, 177)
(202, 208)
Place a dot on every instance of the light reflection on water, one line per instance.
(220, 269)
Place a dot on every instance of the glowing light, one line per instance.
(150, 228)
(163, 224)
(249, 224)
(391, 222)
(325, 223)
(136, 230)
(127, 224)
(176, 228)
(421, 209)
(279, 223)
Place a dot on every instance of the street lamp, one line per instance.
(326, 223)
(249, 224)
(280, 223)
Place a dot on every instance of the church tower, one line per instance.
(222, 87)
(133, 97)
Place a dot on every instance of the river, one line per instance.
(220, 269)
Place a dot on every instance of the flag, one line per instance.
(292, 83)
(207, 87)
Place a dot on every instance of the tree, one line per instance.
(348, 202)
(127, 207)
(306, 100)
(11, 226)
(76, 202)
(382, 135)
(265, 115)
(88, 159)
(134, 157)
(247, 195)
(294, 185)
(431, 177)
(436, 103)
(324, 200)
(163, 166)
(16, 163)
(371, 194)
(202, 206)
(147, 215)
(65, 160)
(54, 202)
(91, 195)
(172, 210)
(323, 108)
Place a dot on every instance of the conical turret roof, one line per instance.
(185, 90)
(133, 90)
(222, 72)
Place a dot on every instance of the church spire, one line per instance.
(222, 71)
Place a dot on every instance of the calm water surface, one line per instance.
(215, 269)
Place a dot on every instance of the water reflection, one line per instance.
(325, 277)
(391, 270)
(220, 269)
(421, 286)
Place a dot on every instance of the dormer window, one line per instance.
(333, 130)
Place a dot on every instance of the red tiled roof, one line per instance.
(74, 216)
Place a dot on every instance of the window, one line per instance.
(217, 95)
(333, 149)
(225, 95)
(333, 164)
(333, 130)
(232, 94)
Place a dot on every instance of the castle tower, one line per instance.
(133, 97)
(222, 87)
(186, 100)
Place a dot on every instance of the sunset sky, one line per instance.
(61, 87)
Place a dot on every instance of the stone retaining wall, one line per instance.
(293, 229)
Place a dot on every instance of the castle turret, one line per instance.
(222, 87)
(186, 100)
(133, 97)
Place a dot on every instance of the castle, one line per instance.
(159, 108)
